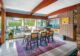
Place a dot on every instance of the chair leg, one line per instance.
(46, 41)
(40, 41)
(27, 44)
(30, 45)
(23, 41)
(37, 43)
(52, 38)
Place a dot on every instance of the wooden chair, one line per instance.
(50, 36)
(34, 40)
(43, 38)
(28, 42)
(26, 39)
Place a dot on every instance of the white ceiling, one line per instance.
(24, 6)
(58, 5)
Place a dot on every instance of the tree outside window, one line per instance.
(30, 22)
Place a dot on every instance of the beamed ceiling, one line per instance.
(41, 8)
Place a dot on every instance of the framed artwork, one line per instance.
(65, 20)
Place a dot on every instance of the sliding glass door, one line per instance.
(18, 26)
(35, 24)
(41, 24)
(30, 24)
(13, 26)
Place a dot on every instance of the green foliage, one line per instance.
(11, 32)
(30, 22)
(15, 23)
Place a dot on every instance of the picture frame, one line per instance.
(65, 20)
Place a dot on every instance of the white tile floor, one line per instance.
(8, 49)
(62, 50)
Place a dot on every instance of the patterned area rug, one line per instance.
(37, 51)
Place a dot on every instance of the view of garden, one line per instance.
(16, 24)
(29, 22)
(19, 25)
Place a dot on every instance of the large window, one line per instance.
(12, 22)
(13, 25)
(35, 23)
(22, 25)
(41, 23)
(55, 23)
(30, 22)
(44, 23)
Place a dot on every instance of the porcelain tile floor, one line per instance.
(63, 50)
(9, 49)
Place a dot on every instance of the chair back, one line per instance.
(36, 31)
(34, 35)
(43, 34)
(50, 33)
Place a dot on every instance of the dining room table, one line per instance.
(26, 35)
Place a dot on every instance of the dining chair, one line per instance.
(36, 31)
(28, 42)
(24, 39)
(43, 38)
(34, 40)
(50, 36)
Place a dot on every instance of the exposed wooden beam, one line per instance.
(24, 15)
(3, 15)
(43, 4)
(1, 4)
(64, 10)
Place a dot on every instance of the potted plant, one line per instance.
(11, 35)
